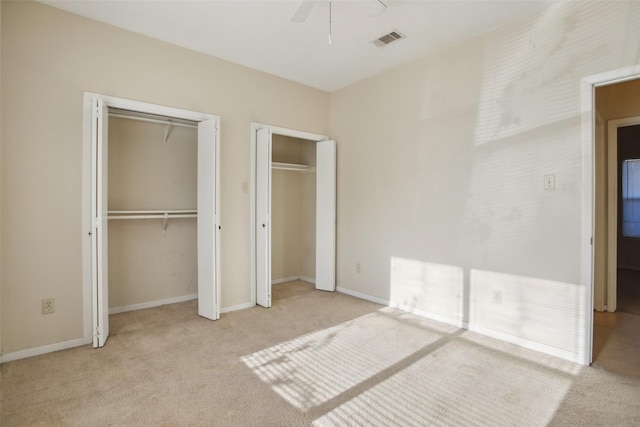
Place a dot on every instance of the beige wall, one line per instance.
(440, 175)
(308, 224)
(146, 265)
(49, 58)
(285, 224)
(293, 210)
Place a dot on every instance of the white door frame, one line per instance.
(275, 130)
(588, 87)
(87, 171)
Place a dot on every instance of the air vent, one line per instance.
(387, 39)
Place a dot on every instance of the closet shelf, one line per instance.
(142, 214)
(165, 216)
(292, 167)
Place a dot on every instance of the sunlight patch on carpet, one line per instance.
(317, 367)
(458, 384)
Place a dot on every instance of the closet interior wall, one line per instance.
(293, 201)
(151, 167)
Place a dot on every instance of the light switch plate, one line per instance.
(549, 182)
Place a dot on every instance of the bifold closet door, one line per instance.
(99, 216)
(326, 215)
(263, 217)
(208, 221)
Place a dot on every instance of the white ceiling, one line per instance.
(260, 34)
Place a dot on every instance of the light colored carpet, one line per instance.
(314, 358)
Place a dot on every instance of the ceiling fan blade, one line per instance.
(303, 10)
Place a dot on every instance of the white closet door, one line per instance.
(208, 221)
(263, 217)
(326, 216)
(99, 237)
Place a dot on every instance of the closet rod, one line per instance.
(156, 211)
(144, 119)
(158, 216)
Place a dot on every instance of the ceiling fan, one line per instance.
(305, 7)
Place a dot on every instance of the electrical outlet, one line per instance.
(496, 296)
(48, 305)
(358, 270)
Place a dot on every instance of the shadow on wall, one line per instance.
(532, 70)
(523, 310)
(528, 126)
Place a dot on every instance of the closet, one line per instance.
(293, 231)
(152, 208)
(293, 209)
(152, 211)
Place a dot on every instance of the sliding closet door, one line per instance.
(263, 217)
(326, 215)
(100, 231)
(208, 221)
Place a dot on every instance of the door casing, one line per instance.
(587, 232)
(88, 188)
(275, 130)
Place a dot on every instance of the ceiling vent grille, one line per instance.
(387, 39)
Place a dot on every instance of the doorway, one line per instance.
(98, 212)
(616, 248)
(302, 161)
(624, 219)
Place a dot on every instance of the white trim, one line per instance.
(360, 295)
(403, 307)
(237, 307)
(525, 343)
(511, 339)
(151, 304)
(307, 279)
(126, 104)
(50, 348)
(284, 280)
(588, 86)
(275, 130)
(146, 107)
(292, 278)
(429, 315)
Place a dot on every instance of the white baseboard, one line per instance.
(511, 339)
(292, 278)
(236, 307)
(433, 316)
(37, 351)
(531, 345)
(360, 295)
(151, 304)
(284, 280)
